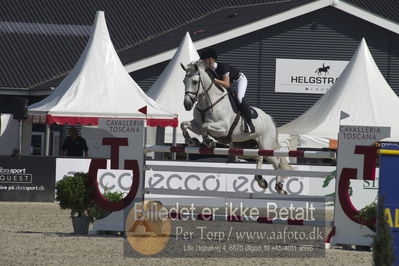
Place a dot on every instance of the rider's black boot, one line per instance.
(244, 109)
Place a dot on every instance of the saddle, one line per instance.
(232, 95)
(234, 104)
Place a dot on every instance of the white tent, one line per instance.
(168, 89)
(98, 86)
(9, 137)
(361, 91)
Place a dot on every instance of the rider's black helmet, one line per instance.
(208, 53)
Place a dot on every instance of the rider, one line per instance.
(230, 77)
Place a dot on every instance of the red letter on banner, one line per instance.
(115, 143)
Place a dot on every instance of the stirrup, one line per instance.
(252, 128)
(249, 128)
(246, 128)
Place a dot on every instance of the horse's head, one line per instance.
(193, 83)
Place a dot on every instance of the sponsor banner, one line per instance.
(307, 76)
(220, 182)
(120, 180)
(389, 192)
(27, 179)
(356, 163)
(384, 144)
(110, 180)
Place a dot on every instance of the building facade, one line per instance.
(325, 34)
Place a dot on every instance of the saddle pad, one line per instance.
(233, 100)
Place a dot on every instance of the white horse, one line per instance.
(214, 116)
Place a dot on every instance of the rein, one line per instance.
(197, 98)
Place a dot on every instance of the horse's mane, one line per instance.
(191, 68)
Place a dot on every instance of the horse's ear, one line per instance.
(182, 66)
(196, 67)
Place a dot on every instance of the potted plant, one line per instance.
(72, 192)
(367, 216)
(368, 213)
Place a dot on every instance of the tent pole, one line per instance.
(20, 137)
(47, 143)
(174, 143)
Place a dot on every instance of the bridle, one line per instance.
(199, 97)
(200, 83)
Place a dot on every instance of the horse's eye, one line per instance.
(195, 82)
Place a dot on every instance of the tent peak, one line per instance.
(360, 91)
(99, 87)
(168, 89)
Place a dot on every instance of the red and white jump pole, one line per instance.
(241, 152)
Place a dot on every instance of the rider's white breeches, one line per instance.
(240, 86)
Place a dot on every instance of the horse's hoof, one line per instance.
(231, 159)
(196, 142)
(261, 182)
(189, 143)
(279, 188)
(209, 144)
(192, 142)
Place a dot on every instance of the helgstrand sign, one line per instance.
(307, 76)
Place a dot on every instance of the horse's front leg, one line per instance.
(208, 142)
(215, 129)
(193, 126)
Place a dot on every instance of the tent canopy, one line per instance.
(99, 87)
(168, 89)
(361, 91)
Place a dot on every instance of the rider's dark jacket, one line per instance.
(224, 69)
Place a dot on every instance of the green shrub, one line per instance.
(368, 213)
(72, 193)
(383, 247)
(97, 212)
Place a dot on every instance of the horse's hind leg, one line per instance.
(279, 179)
(261, 181)
(269, 142)
(232, 158)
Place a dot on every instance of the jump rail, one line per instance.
(238, 171)
(237, 195)
(241, 152)
(260, 220)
